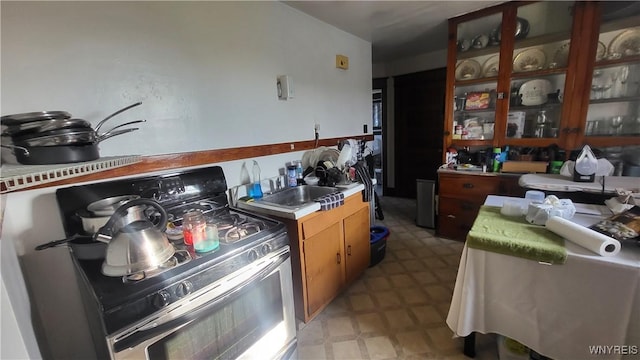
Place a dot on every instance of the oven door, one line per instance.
(248, 314)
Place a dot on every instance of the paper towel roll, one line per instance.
(599, 243)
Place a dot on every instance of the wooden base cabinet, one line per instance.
(460, 196)
(357, 238)
(329, 250)
(323, 268)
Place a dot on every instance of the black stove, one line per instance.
(244, 239)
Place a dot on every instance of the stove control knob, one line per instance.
(253, 255)
(184, 288)
(265, 249)
(161, 299)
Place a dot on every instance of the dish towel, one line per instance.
(491, 231)
(362, 175)
(330, 201)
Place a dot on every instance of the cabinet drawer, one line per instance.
(320, 221)
(352, 204)
(468, 187)
(459, 208)
(453, 228)
(455, 217)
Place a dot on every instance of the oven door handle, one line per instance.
(157, 326)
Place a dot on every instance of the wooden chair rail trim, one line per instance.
(153, 163)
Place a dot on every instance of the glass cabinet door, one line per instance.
(614, 102)
(540, 62)
(476, 77)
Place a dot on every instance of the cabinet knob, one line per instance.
(349, 250)
(451, 216)
(467, 185)
(566, 130)
(447, 133)
(338, 258)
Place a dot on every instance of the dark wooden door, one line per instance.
(419, 125)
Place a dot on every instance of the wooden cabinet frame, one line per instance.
(329, 250)
(583, 36)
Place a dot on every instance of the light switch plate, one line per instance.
(284, 85)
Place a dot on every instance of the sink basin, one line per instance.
(297, 196)
(296, 202)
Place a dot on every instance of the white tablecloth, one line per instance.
(557, 310)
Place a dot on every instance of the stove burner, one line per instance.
(180, 257)
(227, 221)
(243, 230)
(176, 213)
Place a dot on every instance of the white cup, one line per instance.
(534, 196)
(511, 207)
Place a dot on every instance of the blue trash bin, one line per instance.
(378, 241)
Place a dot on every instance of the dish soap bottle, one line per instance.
(255, 190)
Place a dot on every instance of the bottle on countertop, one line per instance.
(497, 153)
(299, 173)
(292, 176)
(255, 190)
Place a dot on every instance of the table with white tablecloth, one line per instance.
(560, 311)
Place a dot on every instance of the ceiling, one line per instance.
(396, 29)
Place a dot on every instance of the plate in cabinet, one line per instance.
(561, 56)
(467, 70)
(535, 92)
(601, 52)
(529, 60)
(627, 43)
(491, 66)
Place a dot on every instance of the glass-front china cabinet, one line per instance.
(614, 94)
(534, 74)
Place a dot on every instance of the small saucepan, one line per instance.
(107, 206)
(98, 213)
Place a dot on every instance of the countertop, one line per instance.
(553, 182)
(299, 212)
(476, 172)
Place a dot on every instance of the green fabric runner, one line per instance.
(507, 235)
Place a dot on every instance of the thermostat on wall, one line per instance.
(285, 87)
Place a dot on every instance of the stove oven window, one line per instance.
(230, 329)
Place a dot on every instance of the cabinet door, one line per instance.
(613, 115)
(476, 51)
(511, 75)
(357, 243)
(323, 261)
(540, 73)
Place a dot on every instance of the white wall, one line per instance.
(206, 74)
(205, 71)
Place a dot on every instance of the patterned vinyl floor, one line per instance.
(397, 309)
